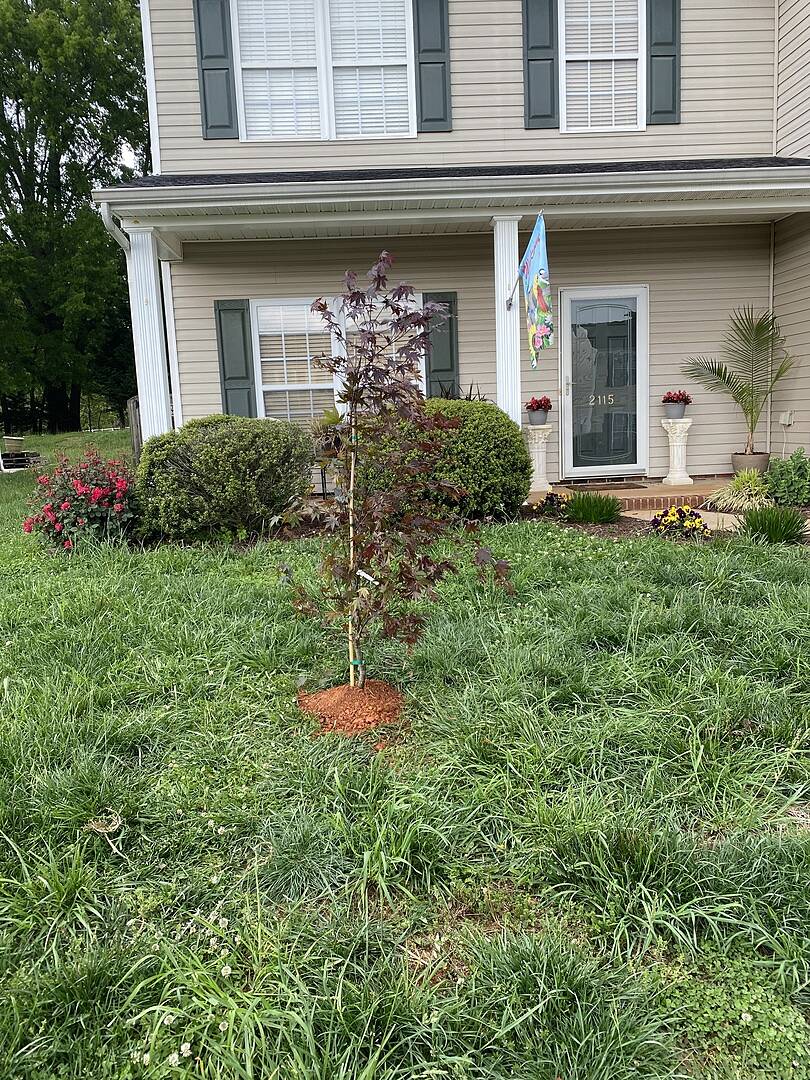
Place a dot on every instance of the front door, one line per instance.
(604, 381)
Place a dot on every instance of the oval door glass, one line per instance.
(604, 374)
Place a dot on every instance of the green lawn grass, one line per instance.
(586, 859)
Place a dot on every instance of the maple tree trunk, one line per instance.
(357, 675)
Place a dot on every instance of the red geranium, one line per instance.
(541, 404)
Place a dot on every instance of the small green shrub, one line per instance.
(591, 508)
(223, 475)
(748, 489)
(788, 479)
(774, 524)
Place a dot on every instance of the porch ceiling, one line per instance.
(250, 210)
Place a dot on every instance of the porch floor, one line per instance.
(648, 495)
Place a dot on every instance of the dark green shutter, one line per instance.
(432, 43)
(663, 61)
(235, 357)
(442, 362)
(212, 26)
(540, 92)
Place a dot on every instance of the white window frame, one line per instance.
(641, 118)
(324, 69)
(641, 294)
(337, 349)
(260, 385)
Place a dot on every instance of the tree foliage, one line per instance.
(73, 99)
(380, 556)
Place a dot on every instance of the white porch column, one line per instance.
(678, 433)
(507, 320)
(146, 304)
(538, 436)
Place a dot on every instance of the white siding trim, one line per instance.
(171, 340)
(606, 292)
(151, 88)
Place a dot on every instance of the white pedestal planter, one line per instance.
(538, 436)
(678, 433)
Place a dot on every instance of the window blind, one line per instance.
(601, 69)
(294, 387)
(353, 79)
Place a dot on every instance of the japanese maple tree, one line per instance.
(382, 523)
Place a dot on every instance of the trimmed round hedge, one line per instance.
(222, 475)
(485, 455)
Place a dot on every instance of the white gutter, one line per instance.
(455, 189)
(112, 228)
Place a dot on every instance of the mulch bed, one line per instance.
(619, 530)
(348, 710)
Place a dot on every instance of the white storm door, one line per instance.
(604, 360)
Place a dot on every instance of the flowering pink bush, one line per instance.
(91, 499)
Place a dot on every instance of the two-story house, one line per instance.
(666, 141)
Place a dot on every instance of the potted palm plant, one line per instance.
(754, 359)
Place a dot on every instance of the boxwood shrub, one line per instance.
(484, 456)
(222, 475)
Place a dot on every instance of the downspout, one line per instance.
(771, 297)
(113, 228)
(772, 256)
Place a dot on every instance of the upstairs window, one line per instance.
(602, 45)
(324, 69)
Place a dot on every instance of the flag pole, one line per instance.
(511, 298)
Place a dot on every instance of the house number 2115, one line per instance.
(602, 399)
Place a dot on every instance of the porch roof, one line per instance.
(374, 202)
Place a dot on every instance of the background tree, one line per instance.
(73, 101)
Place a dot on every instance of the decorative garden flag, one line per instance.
(534, 272)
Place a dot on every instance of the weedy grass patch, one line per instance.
(580, 861)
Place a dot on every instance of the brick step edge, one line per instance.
(660, 502)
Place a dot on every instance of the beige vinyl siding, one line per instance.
(793, 98)
(792, 307)
(727, 99)
(696, 277)
(261, 270)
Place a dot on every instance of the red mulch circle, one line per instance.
(348, 710)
